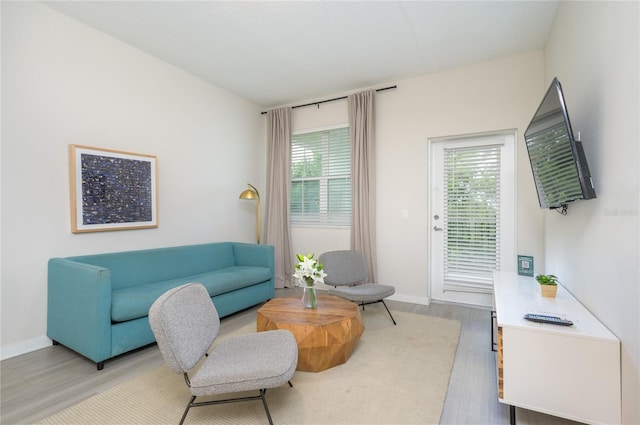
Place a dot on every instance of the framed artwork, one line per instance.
(112, 190)
(525, 265)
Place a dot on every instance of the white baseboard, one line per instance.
(446, 302)
(24, 347)
(410, 299)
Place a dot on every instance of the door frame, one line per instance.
(485, 300)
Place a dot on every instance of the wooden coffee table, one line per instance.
(326, 336)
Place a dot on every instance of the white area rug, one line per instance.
(396, 375)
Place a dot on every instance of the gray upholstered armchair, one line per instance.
(185, 323)
(347, 272)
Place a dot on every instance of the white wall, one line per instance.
(496, 95)
(593, 49)
(64, 83)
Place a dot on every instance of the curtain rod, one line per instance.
(331, 100)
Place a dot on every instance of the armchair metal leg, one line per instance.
(362, 304)
(184, 415)
(385, 306)
(261, 396)
(264, 403)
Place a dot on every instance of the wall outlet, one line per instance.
(525, 265)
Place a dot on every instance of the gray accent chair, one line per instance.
(347, 272)
(185, 323)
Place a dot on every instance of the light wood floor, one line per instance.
(38, 384)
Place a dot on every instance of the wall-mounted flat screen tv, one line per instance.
(560, 169)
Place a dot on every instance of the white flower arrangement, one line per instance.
(309, 270)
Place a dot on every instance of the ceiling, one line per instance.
(275, 53)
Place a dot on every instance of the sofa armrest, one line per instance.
(79, 307)
(249, 254)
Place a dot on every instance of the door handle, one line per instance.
(437, 228)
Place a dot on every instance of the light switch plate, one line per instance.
(525, 265)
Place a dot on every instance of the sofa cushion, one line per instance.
(134, 302)
(131, 268)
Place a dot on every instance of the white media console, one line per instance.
(567, 371)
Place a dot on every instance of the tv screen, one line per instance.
(559, 166)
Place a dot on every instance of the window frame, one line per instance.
(508, 188)
(323, 221)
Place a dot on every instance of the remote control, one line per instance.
(543, 318)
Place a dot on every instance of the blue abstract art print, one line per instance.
(112, 190)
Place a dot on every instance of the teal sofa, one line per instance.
(98, 304)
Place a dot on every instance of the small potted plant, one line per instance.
(548, 285)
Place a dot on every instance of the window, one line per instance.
(321, 177)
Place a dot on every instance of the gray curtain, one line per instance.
(276, 216)
(363, 172)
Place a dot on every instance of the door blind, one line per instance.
(471, 217)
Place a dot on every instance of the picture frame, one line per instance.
(112, 190)
(525, 265)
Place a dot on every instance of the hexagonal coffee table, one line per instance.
(326, 336)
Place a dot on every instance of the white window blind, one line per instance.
(472, 217)
(321, 177)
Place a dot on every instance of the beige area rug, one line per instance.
(396, 375)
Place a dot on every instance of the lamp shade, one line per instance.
(249, 194)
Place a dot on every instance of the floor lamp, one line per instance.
(252, 193)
